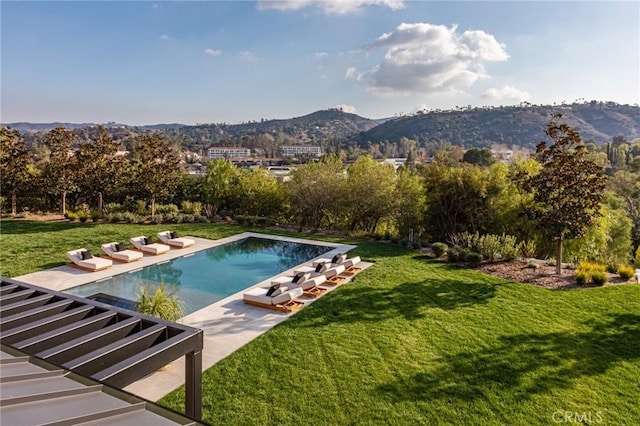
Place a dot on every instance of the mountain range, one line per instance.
(521, 125)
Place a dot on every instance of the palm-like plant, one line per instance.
(161, 302)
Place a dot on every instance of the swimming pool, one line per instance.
(208, 276)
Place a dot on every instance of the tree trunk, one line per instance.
(64, 202)
(559, 255)
(14, 204)
(100, 202)
(153, 207)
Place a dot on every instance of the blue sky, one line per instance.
(145, 62)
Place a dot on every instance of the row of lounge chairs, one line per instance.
(116, 251)
(309, 281)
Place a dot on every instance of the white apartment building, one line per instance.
(293, 150)
(228, 152)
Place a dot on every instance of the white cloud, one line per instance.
(335, 7)
(247, 55)
(429, 58)
(321, 54)
(508, 93)
(164, 37)
(347, 108)
(213, 52)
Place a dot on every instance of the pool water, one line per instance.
(210, 275)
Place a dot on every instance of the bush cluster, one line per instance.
(491, 247)
(626, 271)
(591, 272)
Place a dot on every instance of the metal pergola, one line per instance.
(106, 343)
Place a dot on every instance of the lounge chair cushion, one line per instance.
(312, 282)
(278, 291)
(300, 277)
(351, 262)
(272, 289)
(85, 255)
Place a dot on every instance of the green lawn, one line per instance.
(411, 341)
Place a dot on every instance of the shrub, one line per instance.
(70, 215)
(189, 207)
(162, 303)
(113, 208)
(473, 257)
(157, 219)
(417, 245)
(95, 215)
(187, 218)
(395, 240)
(165, 209)
(83, 215)
(528, 248)
(377, 237)
(455, 254)
(200, 218)
(581, 278)
(625, 271)
(637, 258)
(439, 249)
(141, 207)
(599, 277)
(387, 236)
(532, 264)
(595, 272)
(404, 242)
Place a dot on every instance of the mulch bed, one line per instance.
(542, 276)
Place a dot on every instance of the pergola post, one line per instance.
(193, 384)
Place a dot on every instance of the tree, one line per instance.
(259, 193)
(569, 188)
(60, 172)
(410, 201)
(14, 164)
(371, 193)
(99, 166)
(480, 156)
(156, 171)
(627, 186)
(220, 184)
(314, 191)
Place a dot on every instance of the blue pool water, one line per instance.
(210, 275)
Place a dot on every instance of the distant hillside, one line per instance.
(522, 125)
(45, 127)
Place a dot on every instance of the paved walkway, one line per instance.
(227, 324)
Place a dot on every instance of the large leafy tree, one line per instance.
(627, 185)
(462, 198)
(259, 193)
(315, 190)
(99, 165)
(155, 168)
(14, 164)
(569, 188)
(220, 184)
(370, 194)
(60, 173)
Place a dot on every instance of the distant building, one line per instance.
(293, 150)
(228, 152)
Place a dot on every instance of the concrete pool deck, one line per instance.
(227, 324)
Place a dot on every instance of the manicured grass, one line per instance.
(411, 341)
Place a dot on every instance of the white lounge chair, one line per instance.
(308, 284)
(141, 243)
(637, 275)
(325, 269)
(115, 251)
(283, 300)
(341, 259)
(83, 259)
(171, 238)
